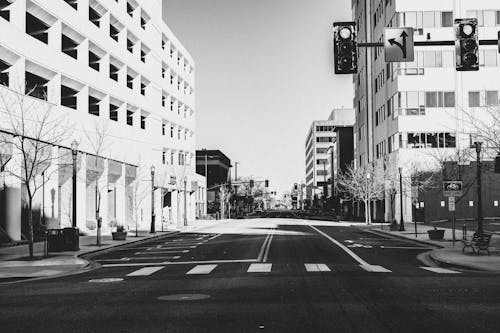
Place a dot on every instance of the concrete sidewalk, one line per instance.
(13, 263)
(449, 254)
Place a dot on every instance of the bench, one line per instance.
(478, 243)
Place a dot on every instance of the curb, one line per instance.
(379, 232)
(447, 264)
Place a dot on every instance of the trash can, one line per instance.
(55, 240)
(71, 239)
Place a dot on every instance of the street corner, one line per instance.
(455, 257)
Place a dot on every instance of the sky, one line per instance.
(263, 73)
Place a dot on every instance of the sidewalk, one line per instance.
(450, 255)
(14, 266)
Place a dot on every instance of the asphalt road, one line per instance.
(274, 275)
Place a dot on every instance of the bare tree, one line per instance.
(362, 184)
(32, 128)
(138, 193)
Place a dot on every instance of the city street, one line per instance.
(259, 274)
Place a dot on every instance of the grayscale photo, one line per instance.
(249, 166)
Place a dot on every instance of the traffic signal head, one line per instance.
(345, 48)
(251, 183)
(266, 183)
(466, 45)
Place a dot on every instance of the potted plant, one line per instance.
(120, 233)
(436, 234)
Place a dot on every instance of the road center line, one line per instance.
(268, 246)
(342, 246)
(263, 248)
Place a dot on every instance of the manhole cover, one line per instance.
(106, 280)
(184, 297)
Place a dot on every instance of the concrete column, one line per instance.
(18, 14)
(121, 198)
(105, 21)
(83, 9)
(81, 191)
(12, 199)
(102, 182)
(55, 35)
(122, 76)
(83, 51)
(17, 76)
(65, 194)
(50, 191)
(54, 90)
(82, 100)
(104, 107)
(105, 61)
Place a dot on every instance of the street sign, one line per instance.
(452, 188)
(398, 45)
(451, 204)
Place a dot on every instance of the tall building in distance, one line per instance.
(409, 113)
(320, 137)
(112, 65)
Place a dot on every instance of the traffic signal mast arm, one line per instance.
(489, 42)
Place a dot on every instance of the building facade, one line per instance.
(409, 115)
(123, 86)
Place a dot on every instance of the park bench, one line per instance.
(478, 243)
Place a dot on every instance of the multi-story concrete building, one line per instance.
(112, 65)
(409, 113)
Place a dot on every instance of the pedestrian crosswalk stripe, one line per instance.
(317, 268)
(259, 268)
(440, 270)
(375, 269)
(201, 269)
(146, 271)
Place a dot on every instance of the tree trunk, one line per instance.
(367, 212)
(30, 226)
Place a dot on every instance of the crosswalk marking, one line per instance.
(440, 270)
(375, 269)
(201, 269)
(259, 268)
(317, 268)
(146, 271)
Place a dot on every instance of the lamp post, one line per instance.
(477, 145)
(152, 231)
(185, 202)
(401, 219)
(367, 194)
(74, 152)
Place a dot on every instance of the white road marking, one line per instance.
(178, 247)
(317, 268)
(263, 248)
(179, 263)
(405, 247)
(201, 269)
(146, 271)
(214, 237)
(162, 252)
(342, 246)
(440, 270)
(268, 246)
(375, 269)
(259, 268)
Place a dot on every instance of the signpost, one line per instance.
(452, 189)
(398, 45)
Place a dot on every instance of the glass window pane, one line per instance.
(428, 20)
(450, 140)
(489, 18)
(441, 140)
(419, 19)
(412, 99)
(447, 19)
(491, 98)
(430, 59)
(431, 99)
(473, 99)
(449, 99)
(432, 140)
(498, 17)
(439, 59)
(413, 140)
(448, 59)
(490, 58)
(411, 19)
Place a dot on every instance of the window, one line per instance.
(491, 98)
(130, 81)
(163, 100)
(143, 56)
(130, 9)
(113, 72)
(143, 121)
(4, 10)
(432, 140)
(172, 158)
(94, 106)
(413, 140)
(163, 129)
(113, 32)
(4, 73)
(36, 86)
(450, 140)
(94, 60)
(431, 99)
(69, 47)
(449, 99)
(164, 157)
(474, 99)
(447, 19)
(171, 131)
(94, 16)
(113, 112)
(172, 104)
(72, 3)
(130, 45)
(143, 89)
(143, 23)
(68, 97)
(130, 118)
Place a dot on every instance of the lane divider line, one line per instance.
(263, 247)
(440, 270)
(268, 246)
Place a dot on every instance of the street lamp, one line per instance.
(152, 199)
(185, 202)
(477, 145)
(401, 220)
(74, 152)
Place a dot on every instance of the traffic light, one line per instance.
(266, 183)
(251, 183)
(466, 45)
(345, 48)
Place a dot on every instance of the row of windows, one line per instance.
(483, 98)
(415, 141)
(324, 139)
(183, 158)
(414, 103)
(427, 19)
(322, 128)
(321, 150)
(485, 18)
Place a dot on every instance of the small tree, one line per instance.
(138, 194)
(362, 184)
(33, 128)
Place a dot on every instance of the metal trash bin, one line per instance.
(55, 240)
(71, 239)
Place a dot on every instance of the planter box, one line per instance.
(119, 235)
(436, 234)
